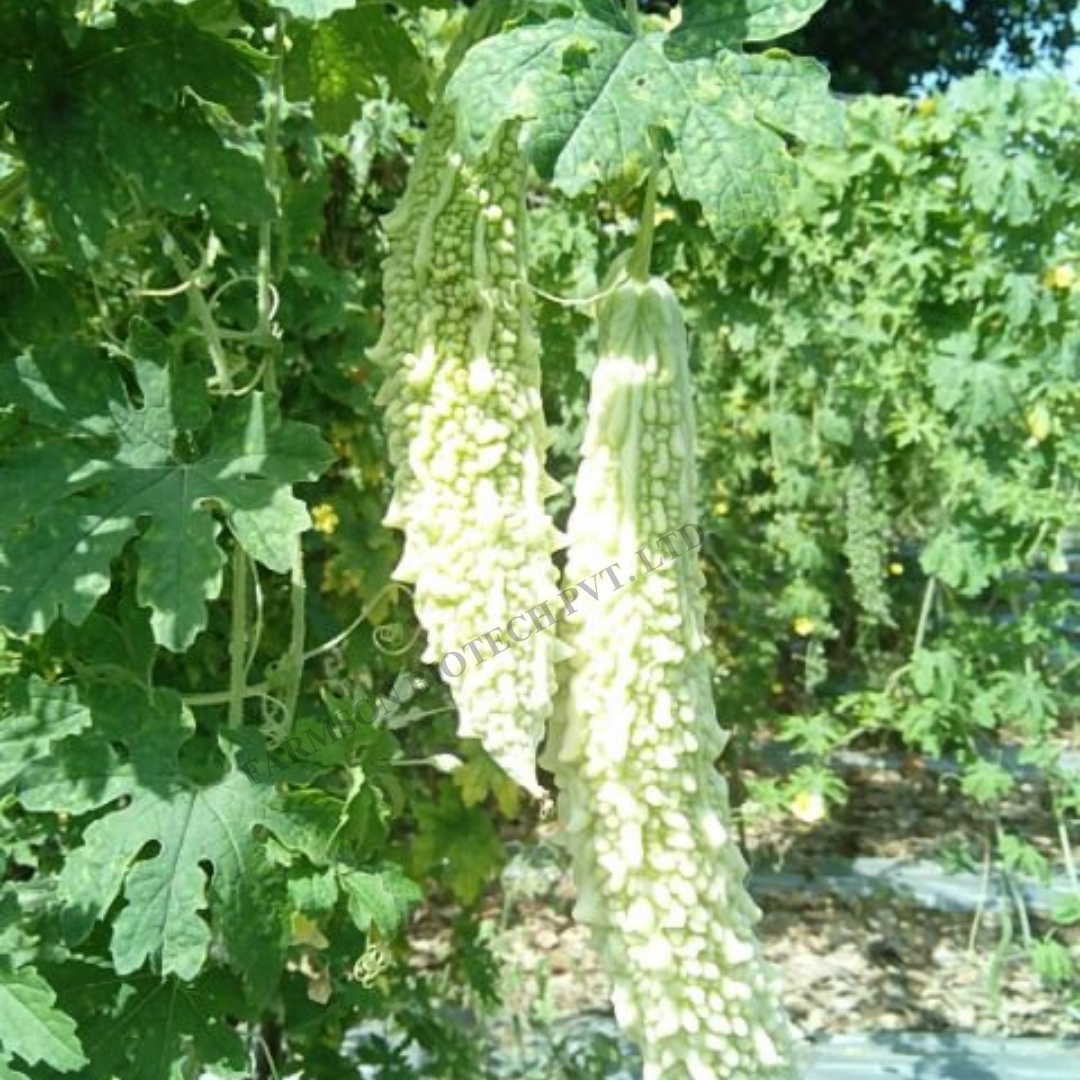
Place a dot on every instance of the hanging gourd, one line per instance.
(645, 815)
(467, 438)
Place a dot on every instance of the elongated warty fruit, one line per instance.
(646, 816)
(467, 437)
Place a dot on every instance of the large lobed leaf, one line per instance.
(593, 94)
(178, 867)
(41, 714)
(78, 500)
(152, 1028)
(339, 60)
(176, 846)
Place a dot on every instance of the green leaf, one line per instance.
(314, 893)
(68, 176)
(1053, 961)
(1024, 858)
(935, 673)
(42, 714)
(309, 823)
(159, 53)
(136, 106)
(1008, 186)
(67, 393)
(789, 94)
(986, 782)
(31, 1025)
(157, 849)
(976, 388)
(459, 841)
(1067, 910)
(313, 10)
(708, 26)
(379, 898)
(730, 154)
(19, 945)
(958, 558)
(187, 163)
(82, 501)
(590, 95)
(1027, 702)
(149, 1027)
(480, 777)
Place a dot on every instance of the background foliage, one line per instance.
(193, 569)
(877, 47)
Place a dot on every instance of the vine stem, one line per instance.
(924, 615)
(1015, 894)
(223, 697)
(572, 301)
(267, 295)
(632, 16)
(237, 637)
(200, 309)
(641, 256)
(984, 892)
(1066, 848)
(294, 662)
(268, 1049)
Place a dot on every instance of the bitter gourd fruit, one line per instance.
(633, 744)
(467, 438)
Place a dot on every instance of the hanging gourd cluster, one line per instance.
(618, 682)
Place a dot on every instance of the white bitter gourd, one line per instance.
(467, 437)
(645, 815)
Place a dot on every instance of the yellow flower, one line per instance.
(896, 569)
(325, 518)
(926, 107)
(1062, 276)
(803, 626)
(307, 932)
(809, 807)
(1040, 422)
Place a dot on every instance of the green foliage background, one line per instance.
(192, 564)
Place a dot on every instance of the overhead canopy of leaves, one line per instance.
(707, 26)
(334, 63)
(124, 111)
(596, 96)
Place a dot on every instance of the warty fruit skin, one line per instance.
(659, 877)
(467, 438)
